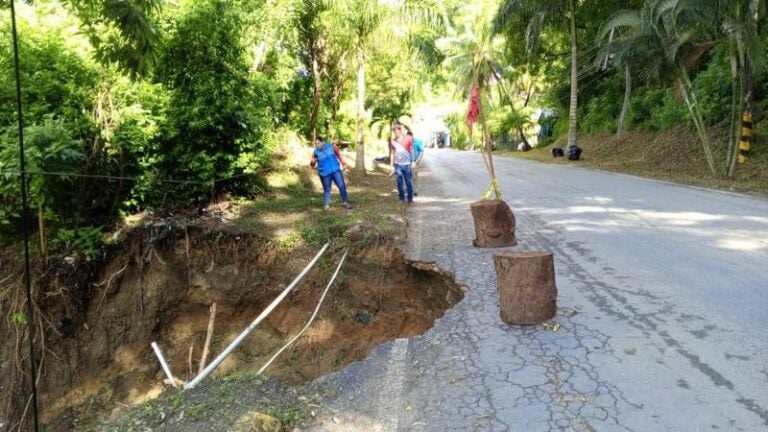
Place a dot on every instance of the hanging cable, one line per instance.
(24, 221)
(125, 178)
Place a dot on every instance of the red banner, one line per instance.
(474, 108)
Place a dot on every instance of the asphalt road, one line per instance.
(663, 311)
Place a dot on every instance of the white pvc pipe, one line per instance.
(164, 364)
(227, 351)
(311, 319)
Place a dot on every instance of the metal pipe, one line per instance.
(227, 351)
(311, 319)
(24, 219)
(165, 366)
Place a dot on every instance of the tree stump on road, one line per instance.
(526, 283)
(494, 224)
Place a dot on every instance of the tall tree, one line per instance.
(473, 58)
(313, 40)
(670, 37)
(747, 56)
(530, 18)
(386, 20)
(122, 31)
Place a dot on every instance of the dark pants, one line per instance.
(338, 178)
(404, 182)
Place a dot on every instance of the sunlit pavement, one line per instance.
(663, 312)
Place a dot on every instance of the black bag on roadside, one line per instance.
(557, 152)
(574, 153)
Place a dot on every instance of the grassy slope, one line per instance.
(673, 155)
(292, 211)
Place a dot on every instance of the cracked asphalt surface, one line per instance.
(662, 312)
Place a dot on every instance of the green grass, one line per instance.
(196, 411)
(298, 213)
(288, 415)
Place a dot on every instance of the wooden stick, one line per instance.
(208, 337)
(186, 250)
(189, 360)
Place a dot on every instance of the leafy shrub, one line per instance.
(218, 110)
(86, 241)
(655, 109)
(49, 149)
(713, 87)
(460, 138)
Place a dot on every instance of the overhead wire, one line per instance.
(122, 178)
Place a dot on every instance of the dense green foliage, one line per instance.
(150, 105)
(102, 139)
(644, 65)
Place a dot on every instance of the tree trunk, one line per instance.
(315, 97)
(572, 124)
(627, 97)
(519, 126)
(521, 133)
(360, 159)
(389, 142)
(488, 156)
(259, 53)
(494, 224)
(526, 284)
(528, 94)
(734, 135)
(698, 120)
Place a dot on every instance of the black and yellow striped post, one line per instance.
(746, 136)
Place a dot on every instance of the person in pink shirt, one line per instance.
(402, 163)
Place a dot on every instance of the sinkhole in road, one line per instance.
(159, 287)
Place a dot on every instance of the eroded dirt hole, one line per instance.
(161, 290)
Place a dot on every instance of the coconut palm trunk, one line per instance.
(315, 98)
(627, 98)
(488, 155)
(360, 158)
(572, 116)
(698, 119)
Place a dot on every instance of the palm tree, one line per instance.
(533, 16)
(669, 37)
(387, 20)
(473, 57)
(623, 59)
(747, 55)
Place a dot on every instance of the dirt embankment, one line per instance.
(98, 319)
(674, 155)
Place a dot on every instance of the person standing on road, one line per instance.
(418, 155)
(327, 159)
(402, 162)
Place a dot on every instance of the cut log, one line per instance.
(208, 336)
(526, 284)
(494, 224)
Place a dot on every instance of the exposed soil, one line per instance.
(158, 285)
(673, 155)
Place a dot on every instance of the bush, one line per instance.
(655, 110)
(218, 110)
(713, 87)
(86, 241)
(600, 113)
(460, 138)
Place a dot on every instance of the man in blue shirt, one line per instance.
(418, 155)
